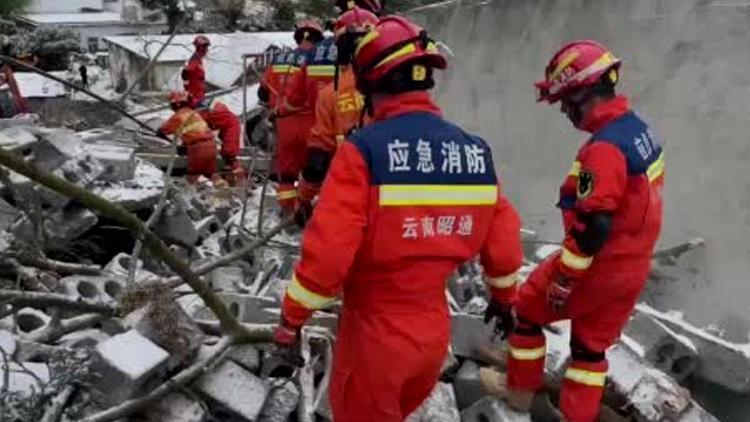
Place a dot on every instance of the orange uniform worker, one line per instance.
(194, 74)
(220, 118)
(276, 75)
(611, 206)
(295, 118)
(338, 110)
(189, 127)
(407, 200)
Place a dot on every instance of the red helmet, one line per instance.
(356, 20)
(374, 6)
(577, 65)
(394, 42)
(308, 29)
(178, 97)
(201, 41)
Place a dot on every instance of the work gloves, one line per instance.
(502, 316)
(558, 294)
(286, 338)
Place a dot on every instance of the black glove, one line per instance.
(303, 213)
(504, 318)
(182, 150)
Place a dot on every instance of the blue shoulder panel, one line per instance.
(423, 149)
(634, 138)
(324, 53)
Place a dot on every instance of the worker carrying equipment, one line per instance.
(296, 106)
(337, 111)
(189, 127)
(611, 203)
(194, 74)
(407, 200)
(220, 118)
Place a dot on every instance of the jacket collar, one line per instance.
(604, 113)
(390, 106)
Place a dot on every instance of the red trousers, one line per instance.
(386, 365)
(599, 307)
(202, 158)
(291, 145)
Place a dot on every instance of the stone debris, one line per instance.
(238, 391)
(156, 331)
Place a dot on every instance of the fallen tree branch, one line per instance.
(119, 214)
(51, 332)
(183, 378)
(55, 409)
(59, 267)
(18, 298)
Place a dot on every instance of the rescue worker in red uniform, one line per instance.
(294, 119)
(189, 127)
(194, 75)
(338, 110)
(611, 204)
(220, 118)
(407, 200)
(276, 75)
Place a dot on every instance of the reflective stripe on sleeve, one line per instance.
(575, 169)
(527, 354)
(656, 168)
(307, 298)
(409, 195)
(582, 376)
(502, 282)
(289, 194)
(284, 68)
(574, 261)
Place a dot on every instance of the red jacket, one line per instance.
(277, 75)
(194, 78)
(220, 117)
(619, 170)
(407, 199)
(317, 72)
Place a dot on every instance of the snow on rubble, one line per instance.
(119, 340)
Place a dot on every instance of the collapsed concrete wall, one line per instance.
(685, 68)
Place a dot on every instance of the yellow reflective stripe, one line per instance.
(289, 194)
(565, 62)
(409, 48)
(656, 168)
(192, 123)
(575, 170)
(284, 68)
(370, 37)
(321, 70)
(307, 298)
(340, 138)
(407, 195)
(503, 282)
(581, 376)
(574, 261)
(527, 354)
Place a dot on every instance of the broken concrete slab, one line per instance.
(8, 215)
(466, 385)
(281, 401)
(655, 342)
(19, 141)
(245, 355)
(175, 225)
(207, 226)
(227, 279)
(30, 320)
(21, 379)
(469, 334)
(26, 119)
(236, 389)
(440, 406)
(126, 362)
(492, 409)
(8, 343)
(166, 324)
(246, 308)
(60, 226)
(140, 193)
(118, 161)
(719, 361)
(177, 407)
(84, 339)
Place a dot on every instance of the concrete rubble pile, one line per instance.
(154, 332)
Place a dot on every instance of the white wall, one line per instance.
(63, 6)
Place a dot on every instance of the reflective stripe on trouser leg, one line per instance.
(526, 361)
(286, 195)
(582, 390)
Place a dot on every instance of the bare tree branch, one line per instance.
(51, 333)
(59, 267)
(40, 300)
(117, 213)
(55, 409)
(183, 378)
